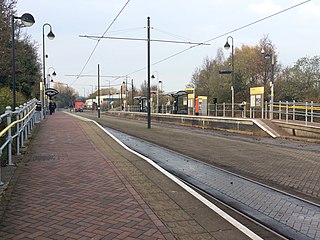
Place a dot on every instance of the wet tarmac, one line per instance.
(286, 214)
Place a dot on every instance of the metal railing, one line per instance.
(308, 112)
(19, 130)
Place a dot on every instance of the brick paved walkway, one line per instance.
(78, 183)
(69, 190)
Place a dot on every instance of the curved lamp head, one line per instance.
(227, 46)
(50, 35)
(262, 51)
(27, 19)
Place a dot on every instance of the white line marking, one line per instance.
(205, 201)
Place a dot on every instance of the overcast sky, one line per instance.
(295, 34)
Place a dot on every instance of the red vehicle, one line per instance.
(78, 106)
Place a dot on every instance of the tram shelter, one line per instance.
(180, 102)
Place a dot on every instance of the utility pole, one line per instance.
(132, 91)
(98, 91)
(148, 88)
(126, 104)
(148, 40)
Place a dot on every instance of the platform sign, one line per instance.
(191, 100)
(191, 96)
(256, 97)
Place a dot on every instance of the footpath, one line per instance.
(76, 182)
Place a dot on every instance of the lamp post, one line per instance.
(270, 56)
(123, 88)
(148, 72)
(51, 36)
(158, 81)
(27, 20)
(227, 46)
(53, 74)
(132, 92)
(98, 106)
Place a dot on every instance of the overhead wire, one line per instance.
(191, 47)
(124, 31)
(98, 41)
(172, 34)
(222, 35)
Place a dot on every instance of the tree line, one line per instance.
(300, 82)
(28, 68)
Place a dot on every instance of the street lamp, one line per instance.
(158, 81)
(227, 46)
(27, 21)
(51, 36)
(148, 71)
(123, 88)
(270, 56)
(53, 74)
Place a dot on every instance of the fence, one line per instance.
(300, 111)
(19, 130)
(308, 112)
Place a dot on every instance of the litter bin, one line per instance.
(38, 112)
(38, 106)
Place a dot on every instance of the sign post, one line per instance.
(257, 99)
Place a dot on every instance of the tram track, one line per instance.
(240, 193)
(261, 229)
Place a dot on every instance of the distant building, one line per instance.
(109, 100)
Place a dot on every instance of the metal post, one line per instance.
(287, 111)
(157, 111)
(148, 88)
(21, 125)
(280, 110)
(311, 112)
(51, 36)
(232, 104)
(224, 110)
(98, 91)
(272, 97)
(126, 94)
(13, 63)
(306, 118)
(9, 135)
(132, 92)
(18, 131)
(245, 110)
(25, 123)
(44, 109)
(121, 102)
(294, 110)
(233, 79)
(28, 118)
(272, 83)
(216, 109)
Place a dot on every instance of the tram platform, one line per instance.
(76, 182)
